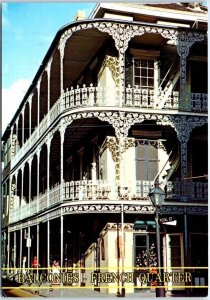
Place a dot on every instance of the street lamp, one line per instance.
(157, 196)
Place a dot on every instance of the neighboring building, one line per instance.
(119, 101)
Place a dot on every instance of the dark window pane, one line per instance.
(150, 82)
(144, 63)
(141, 240)
(150, 72)
(144, 72)
(137, 72)
(137, 63)
(137, 81)
(143, 82)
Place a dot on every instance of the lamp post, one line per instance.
(157, 196)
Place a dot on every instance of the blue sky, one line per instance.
(27, 32)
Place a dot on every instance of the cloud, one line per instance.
(11, 99)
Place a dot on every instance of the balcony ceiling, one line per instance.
(78, 134)
(150, 39)
(80, 50)
(83, 46)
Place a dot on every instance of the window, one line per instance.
(139, 73)
(145, 250)
(146, 161)
(143, 73)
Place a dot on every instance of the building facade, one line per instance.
(119, 102)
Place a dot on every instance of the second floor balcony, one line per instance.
(99, 191)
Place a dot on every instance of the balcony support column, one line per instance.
(11, 194)
(184, 41)
(8, 185)
(29, 182)
(61, 245)
(48, 143)
(37, 245)
(29, 246)
(23, 125)
(48, 244)
(15, 192)
(48, 69)
(14, 247)
(38, 179)
(29, 102)
(21, 242)
(61, 67)
(11, 144)
(22, 178)
(121, 99)
(62, 130)
(38, 104)
(8, 253)
(17, 141)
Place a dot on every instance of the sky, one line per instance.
(28, 29)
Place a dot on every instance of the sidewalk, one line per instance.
(57, 291)
(82, 292)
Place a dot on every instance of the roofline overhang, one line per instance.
(55, 42)
(190, 16)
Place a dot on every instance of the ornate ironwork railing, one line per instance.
(99, 190)
(199, 102)
(193, 191)
(100, 96)
(137, 97)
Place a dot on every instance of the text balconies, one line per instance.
(134, 97)
(98, 191)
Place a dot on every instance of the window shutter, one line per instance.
(146, 162)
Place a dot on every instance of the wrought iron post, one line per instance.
(160, 290)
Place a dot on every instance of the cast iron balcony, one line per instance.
(96, 96)
(99, 191)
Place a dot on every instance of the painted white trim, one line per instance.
(155, 11)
